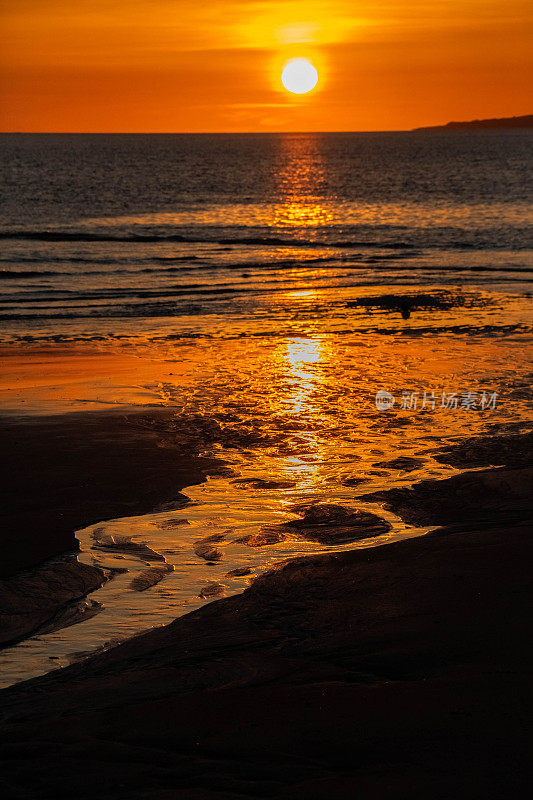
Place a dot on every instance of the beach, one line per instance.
(350, 612)
(397, 669)
(267, 497)
(109, 438)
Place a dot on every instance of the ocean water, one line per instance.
(208, 235)
(264, 288)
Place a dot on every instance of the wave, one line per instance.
(180, 290)
(384, 264)
(433, 239)
(92, 259)
(13, 274)
(148, 238)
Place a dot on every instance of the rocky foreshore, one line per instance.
(47, 594)
(68, 471)
(400, 671)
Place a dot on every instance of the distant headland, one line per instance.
(525, 121)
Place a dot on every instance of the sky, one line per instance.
(171, 65)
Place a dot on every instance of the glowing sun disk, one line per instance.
(299, 76)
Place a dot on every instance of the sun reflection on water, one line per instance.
(301, 179)
(302, 385)
(303, 351)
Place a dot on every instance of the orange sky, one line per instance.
(171, 65)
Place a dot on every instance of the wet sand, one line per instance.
(399, 671)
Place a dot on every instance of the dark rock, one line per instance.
(213, 589)
(239, 573)
(33, 598)
(481, 497)
(72, 470)
(404, 463)
(180, 500)
(150, 577)
(260, 483)
(217, 537)
(354, 481)
(168, 524)
(406, 303)
(208, 551)
(124, 544)
(269, 534)
(405, 308)
(513, 450)
(72, 614)
(333, 524)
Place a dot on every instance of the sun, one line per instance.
(299, 76)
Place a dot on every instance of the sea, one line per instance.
(207, 235)
(324, 314)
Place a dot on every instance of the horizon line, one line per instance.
(420, 129)
(192, 133)
(440, 126)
